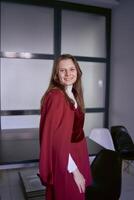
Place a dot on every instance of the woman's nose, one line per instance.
(67, 73)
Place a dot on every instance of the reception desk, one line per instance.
(24, 150)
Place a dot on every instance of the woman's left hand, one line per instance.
(80, 180)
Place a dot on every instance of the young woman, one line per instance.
(64, 164)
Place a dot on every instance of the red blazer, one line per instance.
(57, 140)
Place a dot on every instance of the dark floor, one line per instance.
(11, 188)
(10, 184)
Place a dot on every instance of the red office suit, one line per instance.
(61, 133)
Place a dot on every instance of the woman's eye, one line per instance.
(61, 70)
(73, 69)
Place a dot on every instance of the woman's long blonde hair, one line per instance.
(55, 83)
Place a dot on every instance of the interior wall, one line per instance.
(122, 66)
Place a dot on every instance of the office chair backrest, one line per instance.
(121, 138)
(103, 137)
(106, 171)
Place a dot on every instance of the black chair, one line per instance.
(106, 172)
(123, 143)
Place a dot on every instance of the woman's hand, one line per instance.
(79, 180)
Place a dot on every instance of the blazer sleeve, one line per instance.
(51, 119)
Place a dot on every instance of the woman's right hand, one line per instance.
(79, 180)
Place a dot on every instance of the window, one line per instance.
(32, 36)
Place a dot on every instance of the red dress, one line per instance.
(61, 133)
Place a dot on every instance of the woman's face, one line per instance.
(67, 72)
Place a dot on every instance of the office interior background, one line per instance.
(29, 31)
(100, 37)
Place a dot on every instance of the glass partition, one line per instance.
(20, 122)
(26, 28)
(93, 80)
(93, 120)
(83, 34)
(23, 82)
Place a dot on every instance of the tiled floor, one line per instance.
(11, 189)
